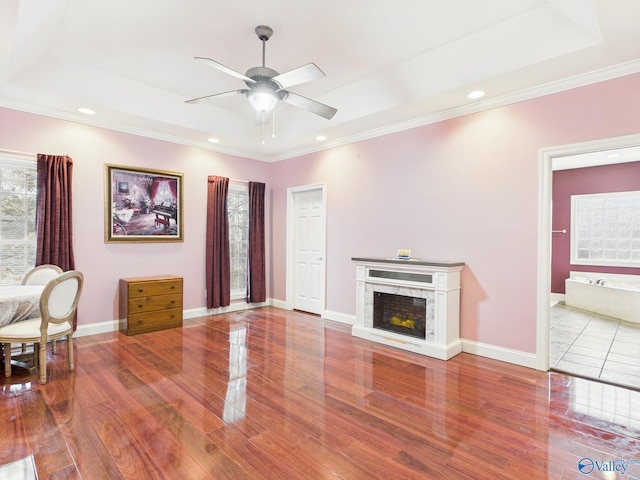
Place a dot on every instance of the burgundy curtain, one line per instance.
(154, 189)
(218, 268)
(173, 188)
(54, 232)
(256, 283)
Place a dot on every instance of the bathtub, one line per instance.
(607, 294)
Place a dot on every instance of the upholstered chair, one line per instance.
(58, 305)
(41, 275)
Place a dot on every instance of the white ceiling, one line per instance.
(389, 64)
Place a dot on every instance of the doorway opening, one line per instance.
(563, 331)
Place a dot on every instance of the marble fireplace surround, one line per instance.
(437, 282)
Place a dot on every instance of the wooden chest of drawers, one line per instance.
(148, 304)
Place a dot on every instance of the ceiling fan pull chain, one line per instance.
(262, 127)
(273, 123)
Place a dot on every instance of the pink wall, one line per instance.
(103, 264)
(461, 190)
(622, 177)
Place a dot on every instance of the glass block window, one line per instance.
(17, 216)
(238, 212)
(605, 229)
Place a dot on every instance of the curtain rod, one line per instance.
(17, 152)
(243, 181)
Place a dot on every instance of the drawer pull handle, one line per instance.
(173, 301)
(140, 289)
(173, 286)
(173, 315)
(139, 320)
(139, 305)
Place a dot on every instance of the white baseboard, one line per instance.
(114, 325)
(339, 317)
(234, 307)
(97, 328)
(195, 313)
(516, 357)
(278, 303)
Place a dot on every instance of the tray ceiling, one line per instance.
(389, 65)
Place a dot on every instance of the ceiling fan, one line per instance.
(266, 86)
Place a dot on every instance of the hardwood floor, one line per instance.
(275, 394)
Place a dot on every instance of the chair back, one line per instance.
(41, 275)
(60, 298)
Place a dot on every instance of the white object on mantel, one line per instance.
(437, 282)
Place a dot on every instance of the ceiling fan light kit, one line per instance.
(262, 99)
(266, 86)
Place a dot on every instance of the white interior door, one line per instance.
(309, 224)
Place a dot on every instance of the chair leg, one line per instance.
(70, 352)
(24, 348)
(43, 362)
(7, 359)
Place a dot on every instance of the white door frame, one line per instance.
(545, 179)
(290, 246)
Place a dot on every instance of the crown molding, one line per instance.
(119, 127)
(576, 81)
(550, 88)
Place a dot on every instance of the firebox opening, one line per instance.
(400, 314)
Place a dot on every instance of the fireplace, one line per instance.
(409, 304)
(400, 314)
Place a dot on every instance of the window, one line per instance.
(238, 212)
(17, 216)
(164, 193)
(605, 229)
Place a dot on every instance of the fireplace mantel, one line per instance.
(435, 284)
(408, 262)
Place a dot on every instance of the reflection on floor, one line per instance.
(594, 346)
(274, 394)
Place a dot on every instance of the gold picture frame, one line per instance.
(142, 205)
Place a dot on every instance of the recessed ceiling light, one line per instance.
(321, 138)
(86, 111)
(214, 140)
(475, 94)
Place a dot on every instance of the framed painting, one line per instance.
(142, 205)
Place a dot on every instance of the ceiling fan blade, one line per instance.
(310, 105)
(299, 75)
(223, 94)
(225, 69)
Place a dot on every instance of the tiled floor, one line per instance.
(594, 346)
(23, 469)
